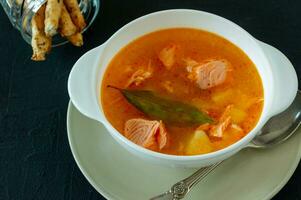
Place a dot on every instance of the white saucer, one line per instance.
(116, 174)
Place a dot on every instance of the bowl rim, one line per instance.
(234, 147)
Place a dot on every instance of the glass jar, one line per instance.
(20, 13)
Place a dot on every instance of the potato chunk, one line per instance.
(237, 115)
(198, 144)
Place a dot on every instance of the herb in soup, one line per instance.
(171, 112)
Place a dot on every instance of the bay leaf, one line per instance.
(167, 110)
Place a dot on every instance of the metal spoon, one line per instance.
(277, 130)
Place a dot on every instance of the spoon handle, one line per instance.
(181, 188)
(199, 175)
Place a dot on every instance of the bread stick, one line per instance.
(41, 44)
(76, 39)
(66, 26)
(75, 13)
(52, 16)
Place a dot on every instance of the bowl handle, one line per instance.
(285, 79)
(81, 84)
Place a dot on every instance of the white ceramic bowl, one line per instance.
(277, 73)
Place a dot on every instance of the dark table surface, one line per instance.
(35, 158)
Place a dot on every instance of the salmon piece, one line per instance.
(168, 56)
(218, 130)
(162, 138)
(209, 74)
(204, 127)
(190, 64)
(139, 76)
(150, 134)
(168, 86)
(236, 127)
(224, 121)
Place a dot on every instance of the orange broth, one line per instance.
(243, 87)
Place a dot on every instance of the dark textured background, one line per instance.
(35, 158)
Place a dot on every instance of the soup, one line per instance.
(182, 91)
